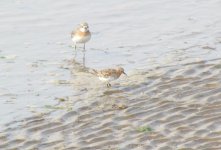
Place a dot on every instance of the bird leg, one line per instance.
(84, 46)
(75, 46)
(108, 84)
(75, 50)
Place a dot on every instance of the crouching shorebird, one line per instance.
(81, 34)
(108, 75)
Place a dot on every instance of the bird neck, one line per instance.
(83, 30)
(118, 73)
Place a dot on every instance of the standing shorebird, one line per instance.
(108, 75)
(81, 34)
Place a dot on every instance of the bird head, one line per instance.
(84, 27)
(121, 70)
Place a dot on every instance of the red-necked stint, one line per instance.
(108, 75)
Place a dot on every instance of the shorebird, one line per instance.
(108, 75)
(81, 34)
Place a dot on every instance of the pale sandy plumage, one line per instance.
(81, 34)
(108, 75)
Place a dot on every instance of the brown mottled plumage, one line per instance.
(107, 75)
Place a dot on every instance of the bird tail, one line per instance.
(93, 71)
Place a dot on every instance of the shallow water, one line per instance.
(168, 49)
(165, 108)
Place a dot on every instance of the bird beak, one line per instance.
(124, 73)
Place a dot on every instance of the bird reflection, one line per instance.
(83, 57)
(84, 52)
(78, 63)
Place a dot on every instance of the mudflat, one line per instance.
(169, 100)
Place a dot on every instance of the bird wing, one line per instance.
(106, 73)
(74, 32)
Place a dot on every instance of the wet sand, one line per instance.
(163, 108)
(170, 99)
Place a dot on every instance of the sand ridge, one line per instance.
(180, 107)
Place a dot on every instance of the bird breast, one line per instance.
(81, 37)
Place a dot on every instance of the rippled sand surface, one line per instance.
(163, 108)
(170, 99)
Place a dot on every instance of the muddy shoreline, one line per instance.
(167, 108)
(170, 99)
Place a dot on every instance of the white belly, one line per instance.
(107, 79)
(80, 39)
